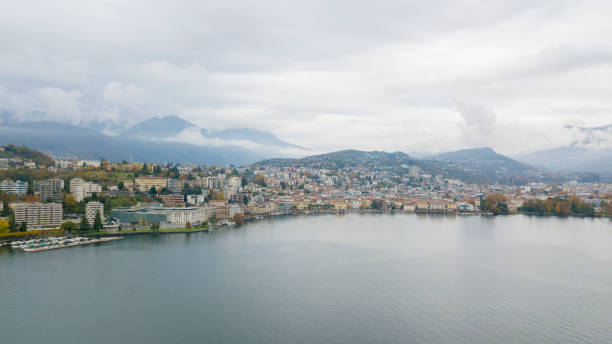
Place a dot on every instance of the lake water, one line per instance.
(322, 279)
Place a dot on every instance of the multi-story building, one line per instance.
(91, 209)
(14, 187)
(144, 184)
(49, 190)
(80, 189)
(180, 216)
(38, 215)
(196, 199)
(173, 200)
(175, 186)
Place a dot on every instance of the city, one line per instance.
(94, 195)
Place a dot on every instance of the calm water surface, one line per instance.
(326, 279)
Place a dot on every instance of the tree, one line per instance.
(188, 224)
(23, 227)
(238, 218)
(84, 225)
(12, 223)
(121, 185)
(153, 191)
(69, 204)
(260, 179)
(155, 226)
(4, 226)
(97, 225)
(69, 226)
(6, 210)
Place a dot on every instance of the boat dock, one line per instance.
(55, 243)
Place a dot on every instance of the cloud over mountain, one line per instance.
(326, 75)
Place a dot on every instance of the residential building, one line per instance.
(173, 200)
(175, 186)
(91, 208)
(38, 215)
(144, 184)
(49, 190)
(80, 189)
(196, 199)
(180, 216)
(14, 187)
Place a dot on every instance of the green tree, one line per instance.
(84, 225)
(12, 223)
(121, 186)
(69, 226)
(153, 191)
(97, 225)
(23, 227)
(4, 226)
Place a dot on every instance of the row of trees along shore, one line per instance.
(562, 206)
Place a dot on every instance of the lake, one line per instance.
(322, 279)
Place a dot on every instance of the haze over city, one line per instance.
(418, 77)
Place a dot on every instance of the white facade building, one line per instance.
(37, 215)
(91, 209)
(180, 216)
(17, 187)
(196, 199)
(81, 189)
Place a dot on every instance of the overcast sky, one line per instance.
(415, 76)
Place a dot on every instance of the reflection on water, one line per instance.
(339, 279)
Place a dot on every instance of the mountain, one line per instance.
(483, 158)
(340, 159)
(572, 158)
(478, 167)
(11, 151)
(590, 151)
(171, 126)
(253, 135)
(168, 126)
(164, 139)
(62, 139)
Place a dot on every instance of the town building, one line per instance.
(180, 216)
(175, 186)
(80, 189)
(38, 215)
(133, 216)
(173, 200)
(14, 187)
(144, 184)
(49, 190)
(91, 208)
(196, 199)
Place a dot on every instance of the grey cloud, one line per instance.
(304, 69)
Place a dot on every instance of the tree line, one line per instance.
(558, 206)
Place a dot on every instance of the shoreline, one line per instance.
(253, 218)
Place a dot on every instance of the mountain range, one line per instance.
(478, 166)
(591, 151)
(173, 139)
(164, 139)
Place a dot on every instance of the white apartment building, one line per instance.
(17, 187)
(91, 208)
(81, 189)
(37, 215)
(180, 216)
(196, 199)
